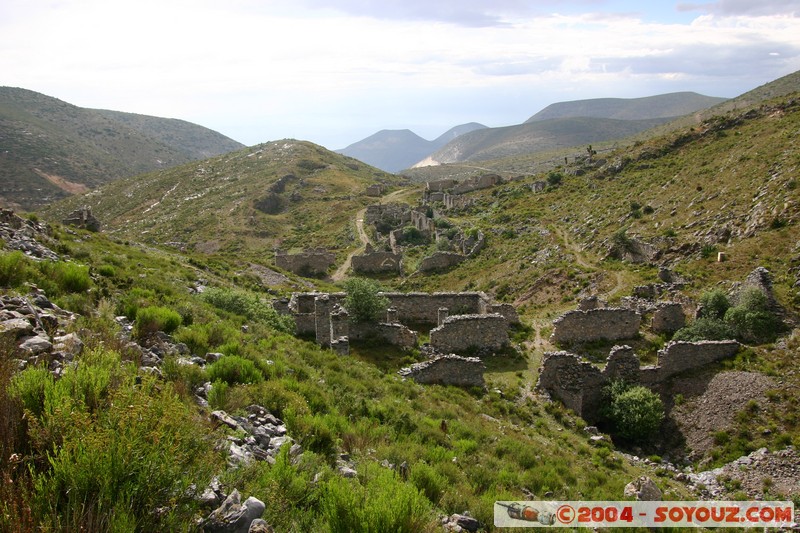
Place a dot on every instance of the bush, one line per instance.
(714, 304)
(14, 269)
(711, 329)
(383, 504)
(635, 412)
(233, 369)
(554, 178)
(751, 318)
(152, 319)
(428, 481)
(249, 306)
(364, 301)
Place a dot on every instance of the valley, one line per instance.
(325, 345)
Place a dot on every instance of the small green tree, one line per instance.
(635, 412)
(364, 301)
(714, 304)
(752, 319)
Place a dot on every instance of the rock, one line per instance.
(70, 345)
(643, 489)
(465, 521)
(224, 418)
(260, 526)
(16, 327)
(233, 516)
(36, 345)
(346, 471)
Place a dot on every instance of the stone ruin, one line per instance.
(578, 384)
(447, 370)
(83, 218)
(450, 191)
(460, 321)
(377, 262)
(310, 262)
(375, 190)
(596, 324)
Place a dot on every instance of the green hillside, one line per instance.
(130, 433)
(50, 149)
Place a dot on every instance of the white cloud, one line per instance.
(338, 72)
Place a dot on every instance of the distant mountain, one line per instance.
(568, 124)
(669, 105)
(395, 150)
(50, 149)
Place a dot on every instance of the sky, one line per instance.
(336, 71)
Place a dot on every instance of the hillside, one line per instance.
(660, 106)
(394, 150)
(153, 335)
(289, 194)
(50, 149)
(535, 137)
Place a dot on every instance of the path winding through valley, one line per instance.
(341, 272)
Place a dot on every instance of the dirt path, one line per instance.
(363, 237)
(581, 259)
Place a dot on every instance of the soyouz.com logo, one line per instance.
(643, 514)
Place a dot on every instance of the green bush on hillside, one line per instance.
(249, 306)
(635, 412)
(152, 319)
(364, 301)
(234, 369)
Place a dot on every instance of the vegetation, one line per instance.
(364, 301)
(634, 412)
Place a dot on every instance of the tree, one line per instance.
(364, 301)
(635, 412)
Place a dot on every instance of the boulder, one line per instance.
(643, 489)
(233, 516)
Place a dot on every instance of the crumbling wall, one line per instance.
(83, 218)
(681, 356)
(476, 183)
(578, 384)
(377, 262)
(423, 307)
(461, 333)
(440, 261)
(311, 262)
(440, 185)
(596, 324)
(668, 318)
(376, 189)
(447, 370)
(394, 334)
(421, 221)
(456, 201)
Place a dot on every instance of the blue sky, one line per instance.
(336, 71)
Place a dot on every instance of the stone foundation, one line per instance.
(372, 262)
(447, 370)
(668, 318)
(312, 262)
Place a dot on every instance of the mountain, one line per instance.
(395, 150)
(660, 106)
(569, 124)
(50, 149)
(206, 382)
(288, 194)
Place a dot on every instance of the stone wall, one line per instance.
(578, 384)
(393, 214)
(476, 183)
(83, 218)
(447, 370)
(668, 317)
(420, 220)
(596, 324)
(311, 262)
(456, 201)
(394, 334)
(376, 189)
(461, 333)
(377, 262)
(440, 261)
(440, 185)
(423, 307)
(680, 356)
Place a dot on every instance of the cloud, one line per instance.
(748, 8)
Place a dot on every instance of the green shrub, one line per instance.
(752, 319)
(383, 504)
(712, 329)
(714, 304)
(249, 306)
(233, 369)
(69, 277)
(315, 433)
(364, 301)
(15, 269)
(107, 271)
(635, 412)
(152, 319)
(428, 481)
(218, 395)
(135, 298)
